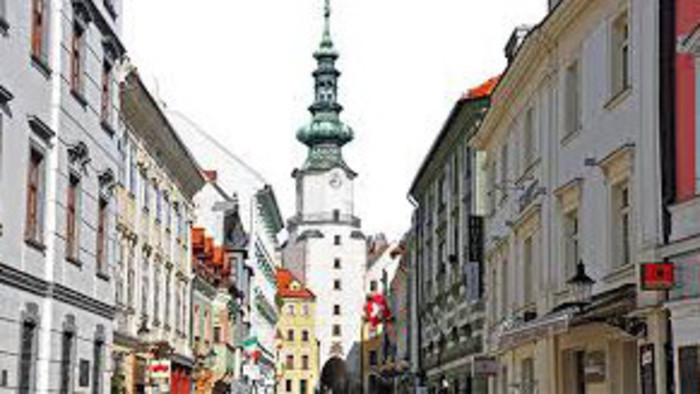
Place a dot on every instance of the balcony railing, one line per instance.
(324, 218)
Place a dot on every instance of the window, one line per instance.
(132, 169)
(27, 358)
(622, 224)
(97, 362)
(571, 242)
(336, 310)
(145, 290)
(572, 98)
(504, 169)
(217, 335)
(336, 263)
(167, 297)
(620, 56)
(336, 284)
(336, 330)
(305, 310)
(40, 30)
(527, 376)
(288, 385)
(290, 361)
(290, 310)
(504, 288)
(492, 186)
(336, 240)
(303, 387)
(373, 285)
(373, 358)
(305, 336)
(34, 230)
(3, 14)
(130, 287)
(106, 101)
(305, 362)
(77, 59)
(146, 193)
(529, 138)
(159, 204)
(528, 277)
(455, 174)
(72, 217)
(441, 192)
(689, 366)
(336, 215)
(290, 335)
(101, 254)
(66, 370)
(168, 212)
(156, 292)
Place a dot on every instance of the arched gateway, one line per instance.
(334, 377)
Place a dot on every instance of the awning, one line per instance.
(550, 324)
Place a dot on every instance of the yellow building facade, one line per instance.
(297, 347)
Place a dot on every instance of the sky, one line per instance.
(242, 71)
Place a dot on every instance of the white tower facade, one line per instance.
(326, 247)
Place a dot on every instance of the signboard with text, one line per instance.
(159, 369)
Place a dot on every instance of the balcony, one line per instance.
(325, 218)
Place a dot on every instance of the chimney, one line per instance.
(515, 41)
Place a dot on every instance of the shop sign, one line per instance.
(594, 368)
(159, 369)
(657, 276)
(484, 366)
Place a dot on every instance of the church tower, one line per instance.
(326, 247)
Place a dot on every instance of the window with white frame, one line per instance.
(622, 254)
(572, 98)
(529, 138)
(571, 242)
(620, 54)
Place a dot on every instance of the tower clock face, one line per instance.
(336, 181)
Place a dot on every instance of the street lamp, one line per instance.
(581, 286)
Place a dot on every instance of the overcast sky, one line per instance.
(242, 71)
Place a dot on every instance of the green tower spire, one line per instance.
(326, 133)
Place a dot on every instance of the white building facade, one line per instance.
(262, 222)
(58, 167)
(572, 164)
(326, 248)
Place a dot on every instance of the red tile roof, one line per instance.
(284, 282)
(483, 90)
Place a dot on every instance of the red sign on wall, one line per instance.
(657, 276)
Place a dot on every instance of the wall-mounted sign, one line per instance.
(594, 368)
(657, 276)
(483, 366)
(646, 366)
(159, 369)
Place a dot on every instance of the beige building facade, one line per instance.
(573, 205)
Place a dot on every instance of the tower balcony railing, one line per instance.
(325, 218)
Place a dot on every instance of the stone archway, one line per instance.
(334, 377)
